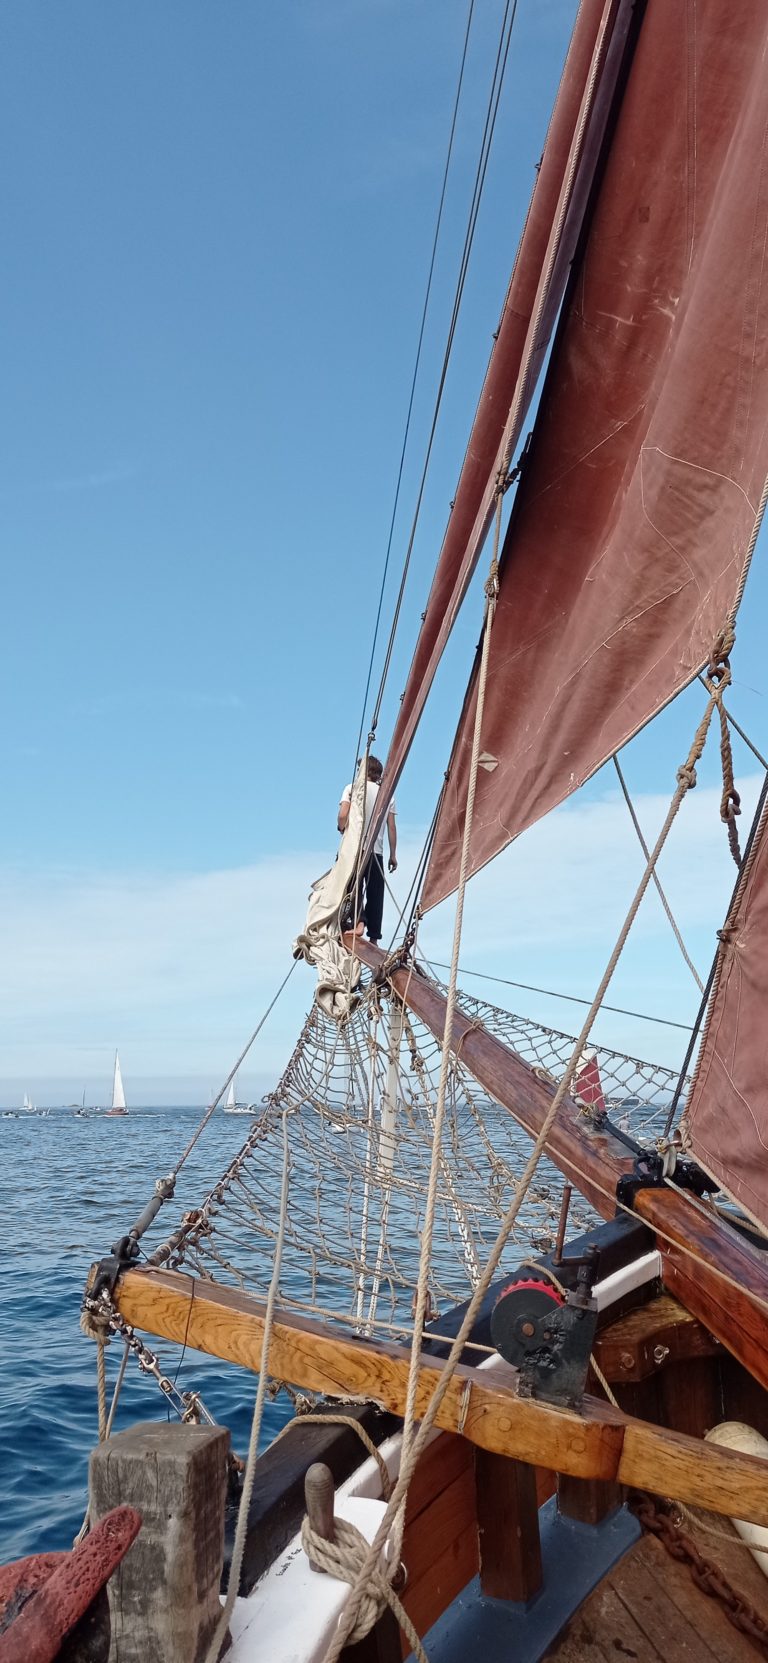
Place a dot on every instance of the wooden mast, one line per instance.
(716, 1272)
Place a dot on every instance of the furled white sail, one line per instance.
(118, 1095)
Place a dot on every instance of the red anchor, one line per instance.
(41, 1598)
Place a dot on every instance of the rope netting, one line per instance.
(358, 1104)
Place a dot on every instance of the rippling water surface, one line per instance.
(71, 1186)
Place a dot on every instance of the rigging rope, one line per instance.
(656, 878)
(241, 1530)
(686, 780)
(491, 592)
(572, 998)
(507, 25)
(230, 1077)
(740, 731)
(419, 345)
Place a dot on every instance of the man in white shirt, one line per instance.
(369, 901)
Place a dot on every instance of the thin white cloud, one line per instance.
(176, 969)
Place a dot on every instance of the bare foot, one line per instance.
(358, 929)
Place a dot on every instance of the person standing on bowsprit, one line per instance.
(369, 900)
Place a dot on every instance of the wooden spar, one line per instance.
(722, 1279)
(482, 1405)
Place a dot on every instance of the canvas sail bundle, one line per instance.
(629, 534)
(726, 1119)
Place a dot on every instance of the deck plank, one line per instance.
(642, 1583)
(648, 1608)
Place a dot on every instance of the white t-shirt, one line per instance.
(371, 793)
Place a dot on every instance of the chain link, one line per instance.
(706, 1576)
(189, 1406)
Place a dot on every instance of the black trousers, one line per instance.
(370, 896)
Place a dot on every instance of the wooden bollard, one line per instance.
(319, 1495)
(164, 1597)
(382, 1643)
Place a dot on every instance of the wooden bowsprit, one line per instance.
(481, 1404)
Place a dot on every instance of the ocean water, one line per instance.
(71, 1186)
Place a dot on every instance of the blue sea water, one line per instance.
(71, 1186)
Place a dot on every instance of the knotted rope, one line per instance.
(716, 679)
(343, 1558)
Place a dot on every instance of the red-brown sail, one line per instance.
(726, 1119)
(536, 288)
(632, 520)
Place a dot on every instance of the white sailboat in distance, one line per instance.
(232, 1106)
(118, 1094)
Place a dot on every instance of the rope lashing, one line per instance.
(716, 679)
(343, 1558)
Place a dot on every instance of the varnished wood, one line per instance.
(719, 1276)
(690, 1396)
(508, 1527)
(719, 1293)
(453, 1568)
(589, 1500)
(484, 1408)
(650, 1338)
(440, 1547)
(448, 1514)
(600, 1442)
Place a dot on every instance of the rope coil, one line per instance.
(343, 1558)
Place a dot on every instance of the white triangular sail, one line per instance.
(231, 1098)
(118, 1095)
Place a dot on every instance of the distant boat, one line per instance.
(118, 1094)
(27, 1106)
(232, 1106)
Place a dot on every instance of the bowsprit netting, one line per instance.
(360, 1103)
(637, 1094)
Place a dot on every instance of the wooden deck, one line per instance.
(648, 1609)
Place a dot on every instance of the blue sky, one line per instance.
(217, 224)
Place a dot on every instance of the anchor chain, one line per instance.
(189, 1406)
(659, 1523)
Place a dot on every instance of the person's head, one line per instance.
(375, 769)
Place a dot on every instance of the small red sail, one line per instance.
(573, 141)
(629, 532)
(726, 1119)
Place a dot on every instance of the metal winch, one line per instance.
(548, 1334)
